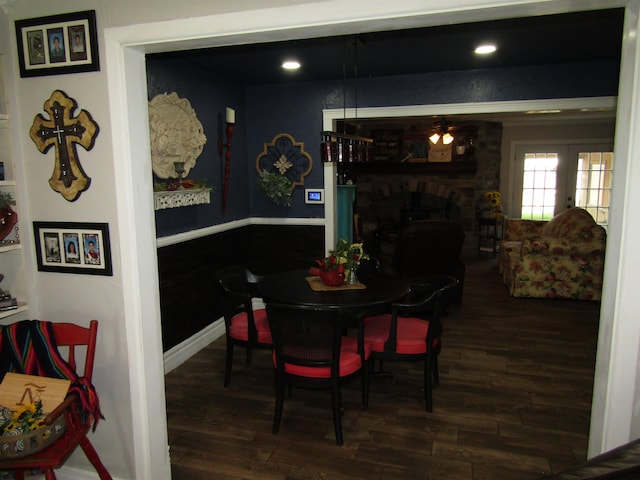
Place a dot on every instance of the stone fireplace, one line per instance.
(390, 195)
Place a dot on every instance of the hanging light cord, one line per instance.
(344, 85)
(355, 80)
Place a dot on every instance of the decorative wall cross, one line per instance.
(64, 132)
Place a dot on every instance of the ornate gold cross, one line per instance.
(64, 131)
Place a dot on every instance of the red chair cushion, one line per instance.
(411, 336)
(349, 362)
(239, 328)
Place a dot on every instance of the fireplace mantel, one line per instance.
(415, 167)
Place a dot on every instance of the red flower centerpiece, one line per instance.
(344, 260)
(330, 272)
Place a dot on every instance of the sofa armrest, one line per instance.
(546, 245)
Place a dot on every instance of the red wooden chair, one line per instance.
(78, 426)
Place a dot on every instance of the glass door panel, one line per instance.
(555, 177)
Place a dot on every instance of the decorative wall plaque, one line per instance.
(176, 135)
(287, 157)
(64, 131)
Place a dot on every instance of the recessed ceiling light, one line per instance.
(291, 65)
(485, 49)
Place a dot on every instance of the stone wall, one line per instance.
(387, 198)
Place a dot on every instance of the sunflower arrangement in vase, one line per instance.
(493, 206)
(341, 265)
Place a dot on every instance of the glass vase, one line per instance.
(352, 278)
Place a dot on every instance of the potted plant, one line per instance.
(276, 187)
(8, 218)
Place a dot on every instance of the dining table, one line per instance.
(372, 291)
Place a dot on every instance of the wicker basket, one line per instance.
(16, 446)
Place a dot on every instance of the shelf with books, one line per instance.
(22, 307)
(12, 270)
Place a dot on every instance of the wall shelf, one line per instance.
(22, 307)
(181, 198)
(7, 247)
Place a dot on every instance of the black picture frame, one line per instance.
(73, 247)
(58, 44)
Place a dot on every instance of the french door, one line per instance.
(553, 177)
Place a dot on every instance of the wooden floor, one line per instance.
(513, 403)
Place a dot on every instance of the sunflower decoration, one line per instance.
(26, 418)
(494, 206)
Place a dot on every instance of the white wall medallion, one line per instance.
(176, 135)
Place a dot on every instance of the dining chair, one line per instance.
(246, 326)
(35, 347)
(413, 329)
(310, 351)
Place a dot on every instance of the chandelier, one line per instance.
(342, 147)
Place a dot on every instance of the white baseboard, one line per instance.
(72, 473)
(182, 352)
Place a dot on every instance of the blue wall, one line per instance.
(296, 109)
(209, 97)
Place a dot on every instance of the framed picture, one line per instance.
(58, 44)
(68, 247)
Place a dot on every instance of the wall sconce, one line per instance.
(229, 130)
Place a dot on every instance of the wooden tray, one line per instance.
(316, 285)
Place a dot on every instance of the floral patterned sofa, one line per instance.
(561, 258)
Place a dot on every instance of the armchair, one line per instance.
(430, 247)
(561, 258)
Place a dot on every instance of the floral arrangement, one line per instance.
(26, 418)
(173, 184)
(343, 258)
(494, 207)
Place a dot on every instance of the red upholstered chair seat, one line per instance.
(413, 330)
(411, 335)
(239, 328)
(311, 351)
(350, 362)
(237, 287)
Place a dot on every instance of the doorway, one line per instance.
(552, 177)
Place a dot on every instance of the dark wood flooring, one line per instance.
(514, 400)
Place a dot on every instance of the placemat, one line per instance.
(316, 284)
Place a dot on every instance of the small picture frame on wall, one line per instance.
(68, 247)
(58, 44)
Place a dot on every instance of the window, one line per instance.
(556, 176)
(593, 184)
(539, 183)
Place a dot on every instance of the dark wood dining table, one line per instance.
(374, 291)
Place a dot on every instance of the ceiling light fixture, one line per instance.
(291, 65)
(442, 130)
(485, 49)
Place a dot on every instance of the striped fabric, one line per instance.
(29, 347)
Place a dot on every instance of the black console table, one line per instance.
(490, 231)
